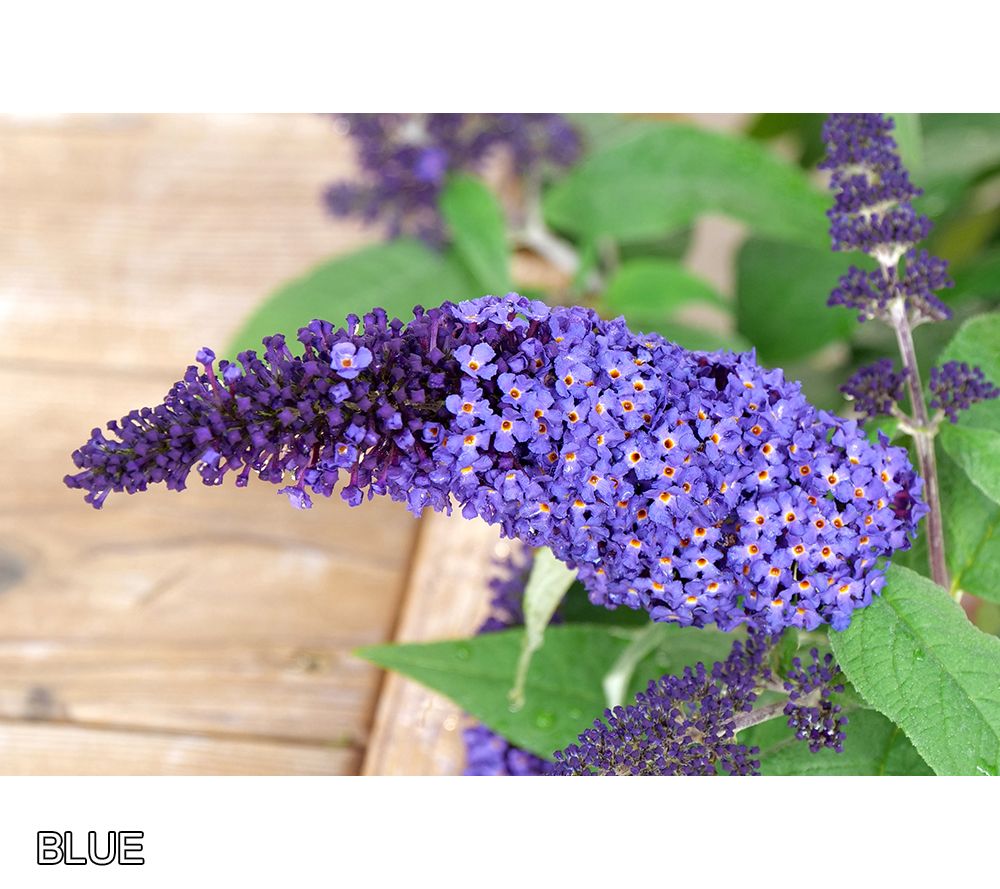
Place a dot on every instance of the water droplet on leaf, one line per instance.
(463, 652)
(545, 719)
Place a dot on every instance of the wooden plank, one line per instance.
(418, 732)
(125, 244)
(131, 241)
(27, 749)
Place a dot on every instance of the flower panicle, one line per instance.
(697, 486)
(688, 724)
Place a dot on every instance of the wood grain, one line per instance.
(206, 632)
(416, 731)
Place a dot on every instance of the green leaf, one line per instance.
(547, 585)
(972, 533)
(478, 231)
(782, 292)
(662, 178)
(977, 451)
(396, 276)
(960, 144)
(874, 746)
(563, 692)
(649, 290)
(914, 656)
(909, 137)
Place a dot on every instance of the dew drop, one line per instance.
(986, 768)
(918, 655)
(545, 719)
(463, 652)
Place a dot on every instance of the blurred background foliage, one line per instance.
(628, 208)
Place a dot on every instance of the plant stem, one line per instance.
(923, 436)
(758, 715)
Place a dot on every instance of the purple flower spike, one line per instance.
(406, 158)
(697, 486)
(873, 214)
(681, 725)
(875, 389)
(956, 387)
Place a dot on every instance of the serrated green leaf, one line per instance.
(478, 232)
(396, 276)
(972, 533)
(563, 692)
(873, 746)
(915, 657)
(782, 291)
(977, 451)
(663, 178)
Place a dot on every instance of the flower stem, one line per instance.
(923, 437)
(758, 715)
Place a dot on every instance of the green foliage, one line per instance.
(547, 585)
(914, 656)
(783, 289)
(478, 232)
(396, 276)
(655, 289)
(977, 451)
(652, 293)
(663, 178)
(563, 691)
(972, 533)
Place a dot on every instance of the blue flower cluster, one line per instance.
(405, 158)
(698, 486)
(873, 213)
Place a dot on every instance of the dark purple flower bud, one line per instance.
(873, 213)
(955, 387)
(875, 389)
(697, 486)
(810, 709)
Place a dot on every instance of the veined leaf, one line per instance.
(914, 656)
(476, 223)
(662, 178)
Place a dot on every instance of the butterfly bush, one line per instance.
(687, 724)
(405, 159)
(695, 485)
